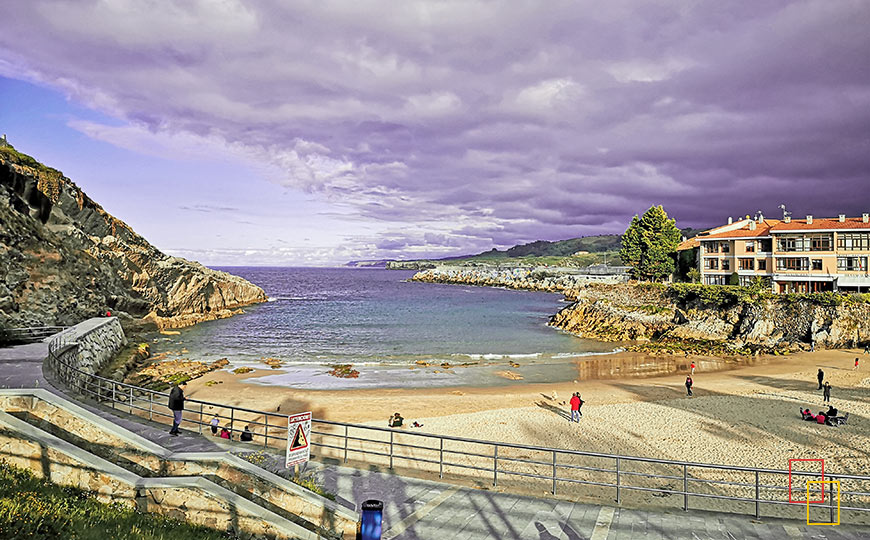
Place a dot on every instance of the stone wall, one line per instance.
(96, 341)
(97, 437)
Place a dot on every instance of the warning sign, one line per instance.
(298, 434)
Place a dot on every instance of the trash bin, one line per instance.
(372, 518)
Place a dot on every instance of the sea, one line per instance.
(395, 332)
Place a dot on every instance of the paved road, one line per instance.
(425, 510)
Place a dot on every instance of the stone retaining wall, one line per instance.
(144, 458)
(96, 342)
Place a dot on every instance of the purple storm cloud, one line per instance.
(463, 125)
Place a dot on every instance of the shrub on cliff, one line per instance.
(649, 245)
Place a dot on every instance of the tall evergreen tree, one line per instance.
(649, 245)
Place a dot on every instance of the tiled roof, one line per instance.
(761, 229)
(691, 243)
(822, 223)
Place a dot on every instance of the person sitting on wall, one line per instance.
(396, 420)
(225, 434)
(246, 435)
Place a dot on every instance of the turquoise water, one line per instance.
(384, 325)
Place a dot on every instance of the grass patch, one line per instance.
(33, 508)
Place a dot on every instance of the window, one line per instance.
(792, 243)
(726, 264)
(792, 263)
(853, 241)
(750, 246)
(746, 264)
(762, 264)
(711, 264)
(711, 247)
(765, 246)
(714, 280)
(747, 281)
(821, 242)
(852, 263)
(817, 264)
(726, 247)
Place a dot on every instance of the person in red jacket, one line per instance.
(575, 407)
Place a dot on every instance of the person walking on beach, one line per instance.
(689, 385)
(575, 407)
(826, 393)
(693, 368)
(821, 377)
(856, 364)
(813, 346)
(176, 405)
(867, 349)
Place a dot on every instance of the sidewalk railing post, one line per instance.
(150, 405)
(131, 400)
(831, 498)
(266, 431)
(495, 466)
(554, 472)
(232, 420)
(113, 395)
(685, 487)
(617, 481)
(757, 511)
(441, 458)
(345, 444)
(391, 449)
(200, 418)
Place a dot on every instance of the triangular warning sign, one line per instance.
(299, 440)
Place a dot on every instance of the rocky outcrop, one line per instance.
(545, 279)
(762, 323)
(63, 258)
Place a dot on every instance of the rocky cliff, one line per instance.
(728, 317)
(63, 258)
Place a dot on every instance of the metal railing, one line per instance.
(496, 461)
(30, 334)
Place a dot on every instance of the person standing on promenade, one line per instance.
(693, 367)
(689, 383)
(176, 405)
(821, 377)
(826, 393)
(575, 407)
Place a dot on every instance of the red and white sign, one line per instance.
(298, 442)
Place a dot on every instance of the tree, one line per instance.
(649, 245)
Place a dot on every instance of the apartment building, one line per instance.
(793, 255)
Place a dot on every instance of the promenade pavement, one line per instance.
(416, 509)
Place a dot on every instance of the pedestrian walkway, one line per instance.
(416, 509)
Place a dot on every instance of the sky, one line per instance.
(317, 132)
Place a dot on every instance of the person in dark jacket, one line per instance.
(821, 377)
(247, 435)
(826, 392)
(689, 384)
(176, 405)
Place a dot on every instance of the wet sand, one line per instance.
(747, 415)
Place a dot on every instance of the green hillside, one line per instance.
(574, 252)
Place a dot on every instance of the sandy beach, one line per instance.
(742, 416)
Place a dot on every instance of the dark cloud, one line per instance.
(475, 125)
